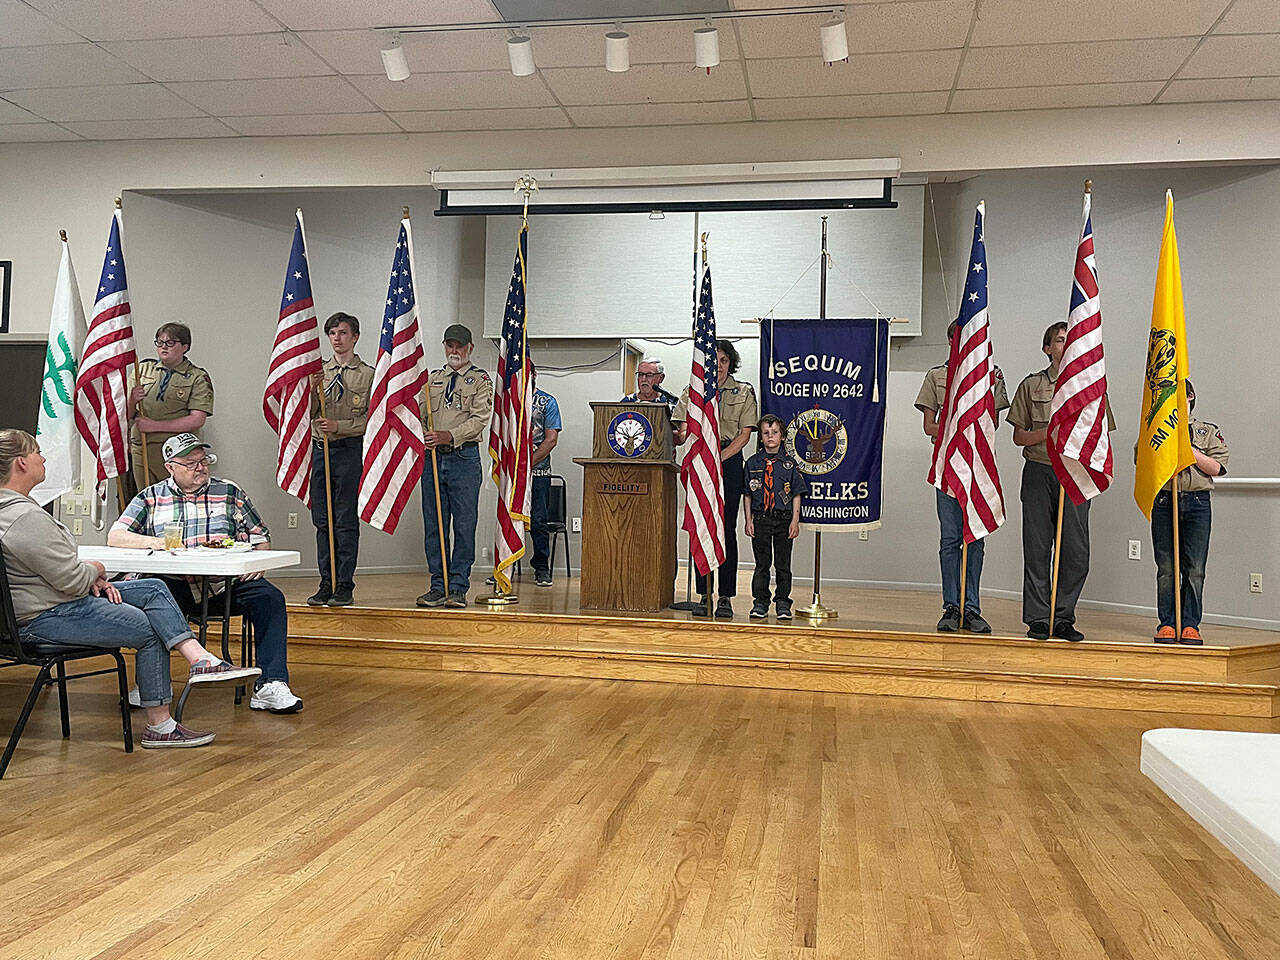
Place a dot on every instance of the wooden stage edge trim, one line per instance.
(1106, 675)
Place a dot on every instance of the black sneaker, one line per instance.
(320, 597)
(1068, 632)
(456, 600)
(950, 621)
(974, 623)
(784, 610)
(724, 609)
(1038, 630)
(341, 598)
(701, 609)
(759, 611)
(432, 598)
(542, 578)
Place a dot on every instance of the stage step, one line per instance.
(1236, 681)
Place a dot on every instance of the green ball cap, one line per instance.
(457, 332)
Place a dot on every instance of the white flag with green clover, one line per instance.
(56, 428)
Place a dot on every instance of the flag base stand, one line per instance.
(816, 611)
(498, 599)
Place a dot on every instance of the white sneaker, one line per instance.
(275, 695)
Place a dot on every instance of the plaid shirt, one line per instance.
(219, 509)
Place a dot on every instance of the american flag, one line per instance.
(964, 463)
(393, 444)
(286, 401)
(701, 472)
(509, 440)
(1078, 443)
(101, 401)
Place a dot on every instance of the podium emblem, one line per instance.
(630, 434)
(818, 441)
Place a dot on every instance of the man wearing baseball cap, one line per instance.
(456, 407)
(209, 508)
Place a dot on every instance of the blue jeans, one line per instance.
(459, 502)
(950, 544)
(262, 604)
(148, 621)
(540, 492)
(1195, 518)
(345, 464)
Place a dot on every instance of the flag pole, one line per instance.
(815, 610)
(689, 603)
(1177, 565)
(964, 564)
(137, 380)
(328, 491)
(1057, 552)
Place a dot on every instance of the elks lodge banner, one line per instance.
(827, 380)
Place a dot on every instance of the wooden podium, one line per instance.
(629, 509)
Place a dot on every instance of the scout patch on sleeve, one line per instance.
(754, 484)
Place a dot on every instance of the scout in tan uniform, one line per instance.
(172, 396)
(462, 403)
(1029, 417)
(1195, 518)
(346, 382)
(739, 414)
(933, 393)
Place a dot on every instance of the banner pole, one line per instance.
(964, 569)
(815, 610)
(689, 603)
(1177, 565)
(1057, 553)
(328, 492)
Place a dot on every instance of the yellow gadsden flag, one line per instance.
(1164, 442)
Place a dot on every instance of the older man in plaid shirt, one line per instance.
(212, 509)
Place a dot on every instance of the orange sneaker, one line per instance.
(1191, 637)
(1166, 634)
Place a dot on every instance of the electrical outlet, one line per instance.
(78, 488)
(1255, 583)
(1135, 549)
(577, 524)
(484, 553)
(293, 521)
(864, 535)
(84, 508)
(77, 529)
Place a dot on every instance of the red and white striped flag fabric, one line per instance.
(964, 459)
(510, 429)
(701, 472)
(1079, 444)
(286, 401)
(393, 443)
(101, 384)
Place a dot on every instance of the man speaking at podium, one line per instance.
(649, 377)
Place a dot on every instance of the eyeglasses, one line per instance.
(167, 343)
(204, 463)
(647, 376)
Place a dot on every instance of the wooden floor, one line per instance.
(410, 814)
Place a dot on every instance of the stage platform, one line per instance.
(883, 643)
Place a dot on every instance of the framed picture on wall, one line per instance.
(6, 279)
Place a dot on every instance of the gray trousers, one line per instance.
(1039, 523)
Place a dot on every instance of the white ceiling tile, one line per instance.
(13, 114)
(1041, 21)
(1251, 16)
(1239, 88)
(20, 26)
(318, 125)
(357, 51)
(864, 73)
(247, 98)
(647, 83)
(456, 91)
(1256, 56)
(834, 108)
(1068, 95)
(33, 132)
(135, 101)
(660, 114)
(650, 43)
(220, 58)
(928, 25)
(143, 19)
(192, 128)
(430, 121)
(355, 15)
(1064, 63)
(62, 65)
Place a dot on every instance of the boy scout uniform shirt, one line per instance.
(346, 402)
(1030, 411)
(738, 409)
(1207, 438)
(466, 411)
(933, 392)
(189, 388)
(785, 478)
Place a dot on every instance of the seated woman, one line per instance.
(58, 598)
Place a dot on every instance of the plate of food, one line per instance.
(224, 545)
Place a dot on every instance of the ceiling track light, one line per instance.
(706, 47)
(520, 53)
(393, 60)
(617, 50)
(835, 42)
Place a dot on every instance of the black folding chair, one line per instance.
(52, 660)
(557, 520)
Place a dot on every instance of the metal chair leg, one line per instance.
(126, 720)
(42, 678)
(62, 700)
(181, 705)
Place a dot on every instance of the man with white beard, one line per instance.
(461, 404)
